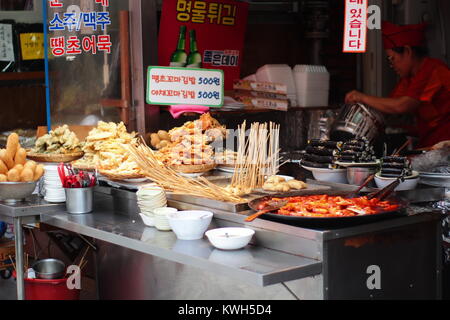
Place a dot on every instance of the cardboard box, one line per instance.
(264, 103)
(269, 87)
(7, 248)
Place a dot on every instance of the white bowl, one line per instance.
(148, 221)
(410, 182)
(230, 238)
(190, 225)
(329, 175)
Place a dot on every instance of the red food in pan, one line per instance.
(323, 206)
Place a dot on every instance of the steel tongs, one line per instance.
(386, 191)
(357, 191)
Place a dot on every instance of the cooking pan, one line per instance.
(332, 222)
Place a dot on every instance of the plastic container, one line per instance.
(79, 200)
(279, 73)
(38, 289)
(312, 85)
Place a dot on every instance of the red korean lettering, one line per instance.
(104, 43)
(356, 13)
(104, 3)
(155, 78)
(58, 46)
(90, 44)
(55, 4)
(355, 24)
(73, 45)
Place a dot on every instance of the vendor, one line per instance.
(424, 86)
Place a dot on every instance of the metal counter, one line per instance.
(24, 213)
(282, 262)
(255, 265)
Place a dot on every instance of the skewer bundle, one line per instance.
(258, 157)
(170, 180)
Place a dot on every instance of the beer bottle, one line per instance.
(194, 59)
(179, 56)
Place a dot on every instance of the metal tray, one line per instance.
(229, 206)
(334, 222)
(435, 179)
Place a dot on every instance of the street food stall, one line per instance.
(258, 188)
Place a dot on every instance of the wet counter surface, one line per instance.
(253, 264)
(32, 206)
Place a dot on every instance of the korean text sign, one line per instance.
(203, 34)
(72, 30)
(171, 86)
(355, 29)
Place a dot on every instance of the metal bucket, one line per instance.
(79, 200)
(357, 120)
(357, 175)
(49, 269)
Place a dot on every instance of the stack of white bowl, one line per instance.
(161, 220)
(54, 191)
(149, 198)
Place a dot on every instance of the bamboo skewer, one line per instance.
(258, 156)
(170, 180)
(14, 266)
(82, 258)
(397, 152)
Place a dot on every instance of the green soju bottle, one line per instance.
(179, 56)
(194, 59)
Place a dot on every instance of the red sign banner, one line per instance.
(203, 34)
(355, 29)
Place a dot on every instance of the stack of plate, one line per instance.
(54, 191)
(149, 198)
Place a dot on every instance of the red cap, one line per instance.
(399, 36)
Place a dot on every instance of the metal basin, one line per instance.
(49, 269)
(357, 175)
(12, 192)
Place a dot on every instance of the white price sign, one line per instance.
(173, 86)
(6, 43)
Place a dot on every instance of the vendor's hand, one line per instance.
(354, 97)
(441, 145)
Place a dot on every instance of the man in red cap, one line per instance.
(424, 86)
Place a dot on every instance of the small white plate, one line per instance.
(358, 164)
(140, 180)
(323, 170)
(286, 178)
(191, 175)
(225, 169)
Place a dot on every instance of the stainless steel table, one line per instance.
(20, 214)
(282, 262)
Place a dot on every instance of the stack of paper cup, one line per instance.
(150, 197)
(54, 191)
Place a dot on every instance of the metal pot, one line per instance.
(357, 175)
(49, 269)
(357, 120)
